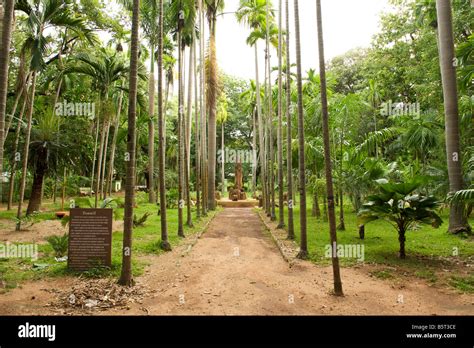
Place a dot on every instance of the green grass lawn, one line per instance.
(429, 251)
(146, 241)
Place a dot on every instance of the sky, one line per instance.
(347, 24)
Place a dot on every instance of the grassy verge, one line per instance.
(432, 254)
(146, 241)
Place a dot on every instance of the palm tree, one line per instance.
(44, 148)
(187, 136)
(222, 119)
(126, 274)
(43, 14)
(5, 35)
(289, 135)
(281, 209)
(105, 69)
(327, 155)
(165, 245)
(213, 7)
(270, 138)
(149, 14)
(457, 220)
(203, 109)
(398, 204)
(15, 149)
(302, 176)
(253, 13)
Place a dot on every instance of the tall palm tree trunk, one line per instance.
(327, 156)
(254, 154)
(204, 172)
(261, 138)
(114, 145)
(289, 153)
(20, 93)
(99, 163)
(15, 149)
(165, 245)
(95, 150)
(197, 147)
(126, 278)
(223, 160)
(26, 148)
(41, 167)
(103, 192)
(212, 101)
(187, 122)
(151, 131)
(7, 24)
(457, 220)
(302, 176)
(281, 208)
(270, 120)
(180, 137)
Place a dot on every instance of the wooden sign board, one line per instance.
(90, 238)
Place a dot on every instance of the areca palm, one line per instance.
(457, 221)
(165, 245)
(213, 7)
(183, 13)
(5, 36)
(222, 116)
(327, 155)
(289, 132)
(302, 168)
(253, 14)
(126, 273)
(106, 70)
(281, 216)
(42, 15)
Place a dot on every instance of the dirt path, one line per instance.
(236, 269)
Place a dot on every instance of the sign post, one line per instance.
(90, 238)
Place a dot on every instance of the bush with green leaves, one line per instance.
(27, 221)
(398, 204)
(140, 221)
(59, 244)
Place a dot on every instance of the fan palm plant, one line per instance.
(402, 208)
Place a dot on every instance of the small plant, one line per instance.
(402, 208)
(59, 244)
(27, 220)
(140, 221)
(172, 198)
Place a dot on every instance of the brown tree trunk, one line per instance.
(36, 190)
(15, 149)
(401, 239)
(126, 278)
(457, 220)
(165, 245)
(281, 207)
(212, 107)
(180, 138)
(151, 131)
(303, 254)
(114, 145)
(197, 147)
(289, 154)
(26, 148)
(327, 155)
(7, 23)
